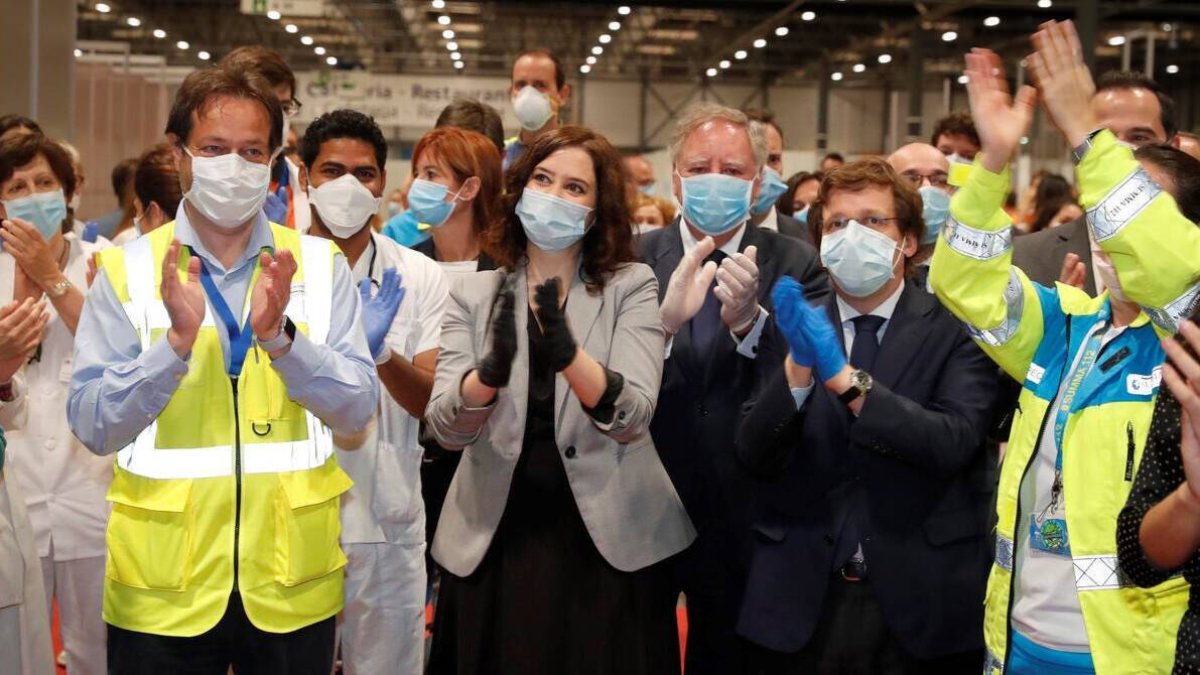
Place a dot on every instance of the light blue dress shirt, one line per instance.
(117, 389)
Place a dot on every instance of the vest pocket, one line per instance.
(150, 532)
(308, 524)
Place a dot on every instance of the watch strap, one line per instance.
(1080, 151)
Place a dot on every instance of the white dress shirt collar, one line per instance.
(885, 310)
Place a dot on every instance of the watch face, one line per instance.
(861, 380)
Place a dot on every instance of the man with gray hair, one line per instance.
(715, 273)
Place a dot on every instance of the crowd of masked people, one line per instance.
(881, 417)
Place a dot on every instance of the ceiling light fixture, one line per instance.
(459, 65)
(439, 4)
(963, 79)
(451, 46)
(760, 43)
(585, 69)
(1172, 69)
(306, 41)
(724, 64)
(808, 16)
(836, 77)
(448, 34)
(711, 72)
(992, 21)
(781, 31)
(291, 28)
(103, 8)
(203, 56)
(332, 60)
(614, 25)
(182, 44)
(319, 51)
(949, 36)
(597, 50)
(274, 15)
(885, 58)
(859, 68)
(605, 38)
(133, 21)
(456, 56)
(1045, 4)
(623, 10)
(591, 60)
(444, 20)
(159, 33)
(1116, 41)
(739, 54)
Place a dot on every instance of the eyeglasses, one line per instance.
(869, 221)
(937, 179)
(292, 107)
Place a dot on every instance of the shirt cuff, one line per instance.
(801, 394)
(300, 361)
(162, 364)
(748, 346)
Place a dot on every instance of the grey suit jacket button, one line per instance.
(570, 453)
(621, 415)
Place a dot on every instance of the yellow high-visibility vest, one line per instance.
(233, 482)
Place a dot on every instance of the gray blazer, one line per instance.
(627, 501)
(1040, 255)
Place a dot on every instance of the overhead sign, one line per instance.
(284, 7)
(397, 100)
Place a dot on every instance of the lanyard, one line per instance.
(1091, 350)
(239, 338)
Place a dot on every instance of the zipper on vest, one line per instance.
(237, 475)
(1130, 447)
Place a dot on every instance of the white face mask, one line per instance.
(1108, 274)
(227, 190)
(344, 204)
(532, 108)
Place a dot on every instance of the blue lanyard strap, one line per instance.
(239, 338)
(1091, 350)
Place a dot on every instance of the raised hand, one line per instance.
(1063, 78)
(276, 206)
(379, 312)
(788, 300)
(1000, 121)
(1074, 272)
(21, 327)
(737, 289)
(496, 367)
(269, 299)
(688, 285)
(31, 252)
(559, 341)
(184, 300)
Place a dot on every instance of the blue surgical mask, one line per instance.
(859, 259)
(427, 201)
(551, 223)
(801, 215)
(714, 203)
(647, 189)
(936, 211)
(772, 188)
(44, 210)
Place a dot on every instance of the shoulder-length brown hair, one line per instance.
(467, 154)
(608, 243)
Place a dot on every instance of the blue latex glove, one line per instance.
(789, 302)
(812, 337)
(276, 206)
(90, 232)
(378, 312)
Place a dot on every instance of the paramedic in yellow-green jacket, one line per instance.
(1090, 369)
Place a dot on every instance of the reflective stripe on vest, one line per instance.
(310, 302)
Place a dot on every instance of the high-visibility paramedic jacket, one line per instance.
(1034, 333)
(233, 485)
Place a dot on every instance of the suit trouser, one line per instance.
(78, 585)
(25, 647)
(234, 641)
(852, 638)
(383, 624)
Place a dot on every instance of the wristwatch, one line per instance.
(283, 339)
(860, 383)
(1078, 152)
(59, 288)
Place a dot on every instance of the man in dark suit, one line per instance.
(1138, 112)
(711, 366)
(870, 550)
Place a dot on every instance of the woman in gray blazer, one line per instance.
(560, 516)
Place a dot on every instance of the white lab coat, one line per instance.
(63, 483)
(25, 647)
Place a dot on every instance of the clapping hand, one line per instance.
(496, 367)
(688, 286)
(276, 206)
(271, 294)
(559, 341)
(811, 337)
(184, 300)
(378, 312)
(737, 289)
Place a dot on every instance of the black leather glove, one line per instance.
(496, 367)
(559, 342)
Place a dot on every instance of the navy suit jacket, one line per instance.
(911, 465)
(702, 394)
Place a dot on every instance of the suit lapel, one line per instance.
(904, 334)
(583, 309)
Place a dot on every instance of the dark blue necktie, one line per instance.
(862, 356)
(706, 325)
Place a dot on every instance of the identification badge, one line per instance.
(64, 373)
(1049, 536)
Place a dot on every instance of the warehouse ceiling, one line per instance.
(752, 41)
